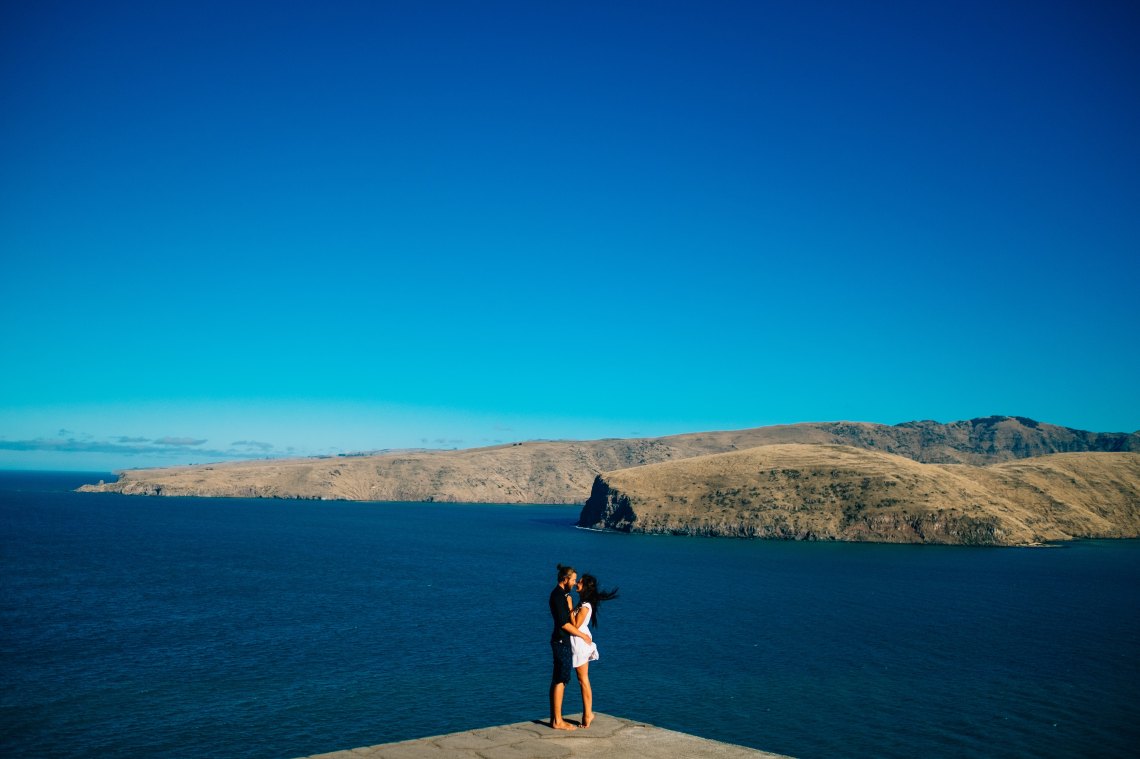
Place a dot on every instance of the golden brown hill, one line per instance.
(540, 472)
(827, 492)
(562, 471)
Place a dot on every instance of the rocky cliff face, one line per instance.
(562, 471)
(822, 492)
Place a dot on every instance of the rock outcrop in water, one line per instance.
(562, 471)
(827, 492)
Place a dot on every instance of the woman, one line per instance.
(584, 653)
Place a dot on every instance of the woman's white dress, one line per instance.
(582, 652)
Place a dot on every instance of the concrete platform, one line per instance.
(606, 737)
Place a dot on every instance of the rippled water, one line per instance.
(255, 628)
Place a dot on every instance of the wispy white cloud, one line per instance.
(442, 442)
(76, 445)
(265, 447)
(134, 447)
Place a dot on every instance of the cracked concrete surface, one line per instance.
(607, 736)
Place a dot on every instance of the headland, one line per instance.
(999, 480)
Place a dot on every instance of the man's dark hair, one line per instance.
(564, 572)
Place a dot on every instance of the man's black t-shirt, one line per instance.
(560, 612)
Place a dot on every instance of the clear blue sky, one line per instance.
(268, 228)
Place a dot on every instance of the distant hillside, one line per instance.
(827, 492)
(563, 471)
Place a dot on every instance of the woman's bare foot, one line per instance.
(563, 725)
(587, 719)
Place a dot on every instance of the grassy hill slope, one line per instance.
(828, 492)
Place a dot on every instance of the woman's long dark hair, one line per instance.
(592, 595)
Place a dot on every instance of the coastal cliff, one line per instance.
(562, 471)
(828, 492)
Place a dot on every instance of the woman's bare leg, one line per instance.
(587, 694)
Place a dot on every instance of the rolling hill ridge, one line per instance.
(564, 471)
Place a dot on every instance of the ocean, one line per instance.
(194, 627)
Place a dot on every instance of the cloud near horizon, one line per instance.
(253, 444)
(184, 441)
(443, 442)
(169, 446)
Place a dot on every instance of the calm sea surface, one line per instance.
(255, 628)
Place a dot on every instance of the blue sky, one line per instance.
(256, 229)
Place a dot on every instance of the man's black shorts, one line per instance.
(563, 662)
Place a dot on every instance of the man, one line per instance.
(564, 630)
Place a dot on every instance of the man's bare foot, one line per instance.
(587, 719)
(563, 725)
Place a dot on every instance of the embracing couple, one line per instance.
(571, 643)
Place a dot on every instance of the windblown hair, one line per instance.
(564, 572)
(592, 595)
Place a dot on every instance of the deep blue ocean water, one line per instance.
(194, 627)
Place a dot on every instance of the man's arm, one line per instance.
(575, 631)
(569, 626)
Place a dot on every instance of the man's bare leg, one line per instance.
(557, 690)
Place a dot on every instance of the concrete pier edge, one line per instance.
(607, 736)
